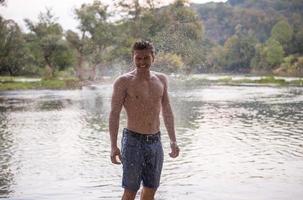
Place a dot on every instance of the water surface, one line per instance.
(237, 142)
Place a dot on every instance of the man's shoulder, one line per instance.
(124, 78)
(161, 76)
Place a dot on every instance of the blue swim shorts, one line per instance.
(142, 160)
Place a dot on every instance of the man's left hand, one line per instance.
(175, 150)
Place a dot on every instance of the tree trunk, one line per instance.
(10, 71)
(92, 73)
(49, 70)
(79, 70)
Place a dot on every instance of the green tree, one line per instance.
(298, 41)
(137, 14)
(268, 56)
(215, 59)
(12, 48)
(182, 34)
(47, 34)
(258, 62)
(274, 53)
(282, 32)
(140, 20)
(168, 62)
(81, 45)
(239, 50)
(97, 33)
(175, 29)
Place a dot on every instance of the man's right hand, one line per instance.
(115, 152)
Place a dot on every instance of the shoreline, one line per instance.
(62, 84)
(243, 81)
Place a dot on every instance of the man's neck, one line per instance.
(143, 74)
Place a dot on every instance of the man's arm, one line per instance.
(118, 96)
(168, 118)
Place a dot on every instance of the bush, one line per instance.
(168, 62)
(289, 60)
(297, 67)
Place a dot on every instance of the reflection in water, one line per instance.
(6, 176)
(96, 105)
(237, 143)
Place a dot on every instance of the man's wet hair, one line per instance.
(142, 45)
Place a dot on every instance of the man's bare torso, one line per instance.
(142, 102)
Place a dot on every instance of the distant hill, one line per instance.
(256, 17)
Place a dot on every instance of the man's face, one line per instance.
(143, 58)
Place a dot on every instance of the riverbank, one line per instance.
(237, 80)
(24, 83)
(7, 83)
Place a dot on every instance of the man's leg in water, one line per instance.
(128, 195)
(148, 193)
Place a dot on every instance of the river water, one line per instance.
(237, 143)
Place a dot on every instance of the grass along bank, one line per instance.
(9, 83)
(230, 80)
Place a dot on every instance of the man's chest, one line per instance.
(145, 90)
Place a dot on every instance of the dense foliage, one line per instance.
(238, 36)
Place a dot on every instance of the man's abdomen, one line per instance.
(143, 114)
(143, 123)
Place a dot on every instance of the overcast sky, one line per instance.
(63, 9)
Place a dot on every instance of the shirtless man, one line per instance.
(142, 93)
